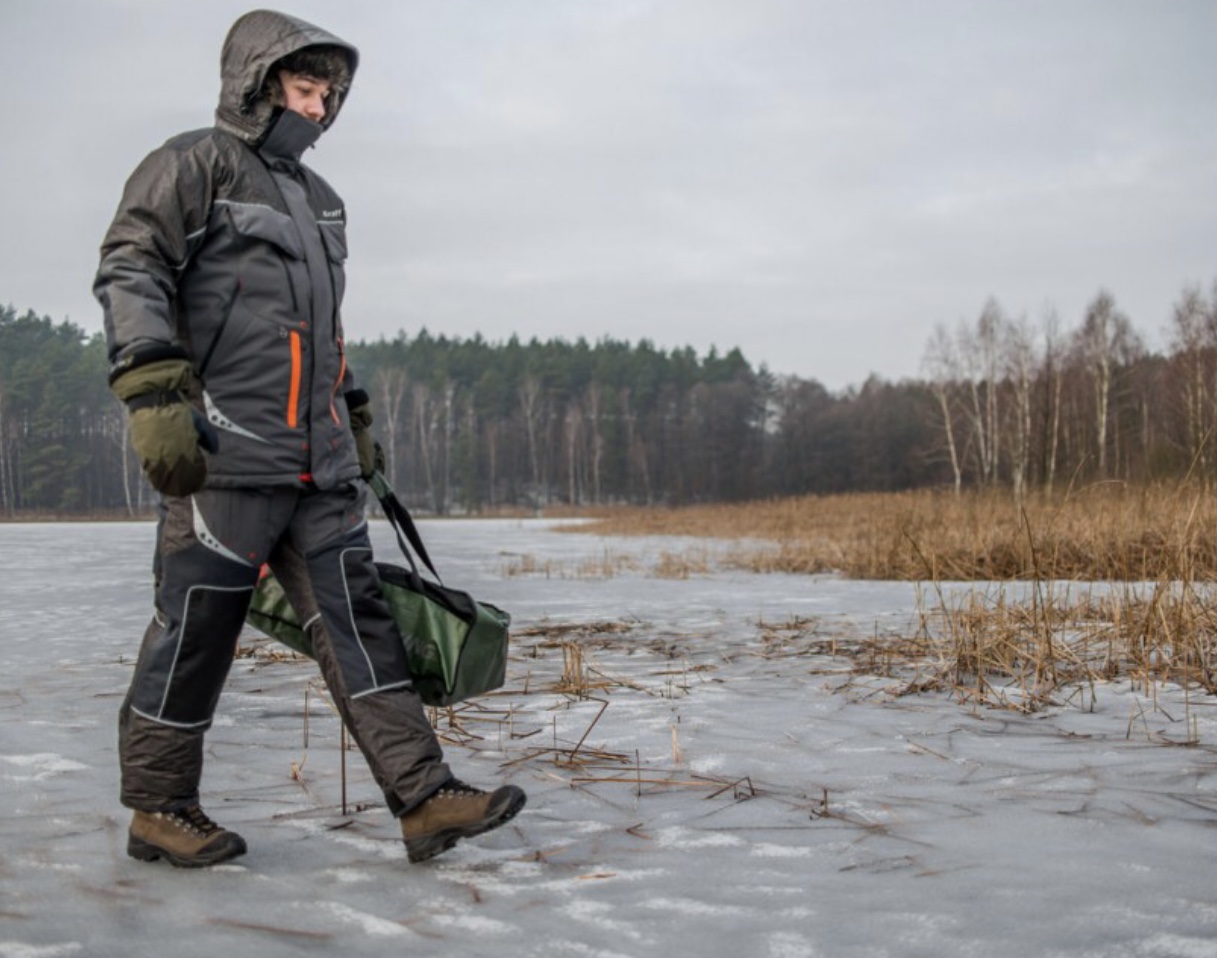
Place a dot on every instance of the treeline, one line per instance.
(469, 425)
(1034, 404)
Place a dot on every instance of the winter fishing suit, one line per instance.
(221, 280)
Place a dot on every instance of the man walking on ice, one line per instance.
(221, 281)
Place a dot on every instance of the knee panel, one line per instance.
(188, 650)
(366, 642)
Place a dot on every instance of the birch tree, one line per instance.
(980, 355)
(424, 430)
(530, 406)
(389, 382)
(572, 430)
(1194, 338)
(1053, 377)
(941, 366)
(1106, 339)
(1020, 362)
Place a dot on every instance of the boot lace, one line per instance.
(195, 819)
(458, 789)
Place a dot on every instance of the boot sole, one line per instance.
(428, 846)
(144, 851)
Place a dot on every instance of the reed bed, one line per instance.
(1025, 635)
(1106, 531)
(1027, 653)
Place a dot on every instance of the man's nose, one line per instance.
(316, 108)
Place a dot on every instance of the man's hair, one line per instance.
(321, 62)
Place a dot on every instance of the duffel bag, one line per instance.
(456, 647)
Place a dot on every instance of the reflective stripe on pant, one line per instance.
(390, 728)
(212, 546)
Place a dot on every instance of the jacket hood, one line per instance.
(256, 41)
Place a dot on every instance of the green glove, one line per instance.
(371, 456)
(166, 431)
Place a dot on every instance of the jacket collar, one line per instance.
(290, 134)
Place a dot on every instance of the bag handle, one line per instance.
(402, 522)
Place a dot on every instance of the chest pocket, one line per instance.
(257, 225)
(334, 237)
(269, 225)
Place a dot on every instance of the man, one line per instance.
(221, 279)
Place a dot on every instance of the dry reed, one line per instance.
(1104, 531)
(1022, 653)
(1022, 641)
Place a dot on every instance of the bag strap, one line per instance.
(403, 524)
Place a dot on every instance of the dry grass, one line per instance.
(1022, 640)
(1108, 531)
(608, 565)
(1028, 653)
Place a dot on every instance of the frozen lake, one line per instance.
(725, 787)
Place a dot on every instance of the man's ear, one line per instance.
(274, 87)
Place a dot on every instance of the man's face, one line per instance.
(304, 94)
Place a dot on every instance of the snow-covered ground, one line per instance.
(724, 787)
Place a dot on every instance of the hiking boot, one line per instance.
(186, 838)
(456, 811)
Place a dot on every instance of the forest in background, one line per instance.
(471, 426)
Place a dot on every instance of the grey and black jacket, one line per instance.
(228, 251)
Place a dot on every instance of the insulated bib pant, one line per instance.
(210, 552)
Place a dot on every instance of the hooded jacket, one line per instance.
(229, 251)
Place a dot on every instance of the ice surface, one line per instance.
(737, 795)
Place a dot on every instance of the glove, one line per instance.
(167, 432)
(371, 456)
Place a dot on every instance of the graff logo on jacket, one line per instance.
(332, 214)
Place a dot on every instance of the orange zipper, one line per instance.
(342, 371)
(293, 399)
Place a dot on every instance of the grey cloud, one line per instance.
(819, 183)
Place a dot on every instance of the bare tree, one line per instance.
(636, 448)
(492, 460)
(941, 366)
(390, 385)
(122, 438)
(594, 399)
(980, 356)
(469, 445)
(7, 505)
(449, 430)
(1053, 366)
(1105, 340)
(1194, 338)
(421, 396)
(1020, 362)
(530, 405)
(572, 429)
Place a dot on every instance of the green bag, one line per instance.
(456, 647)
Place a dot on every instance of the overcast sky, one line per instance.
(818, 182)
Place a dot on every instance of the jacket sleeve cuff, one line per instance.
(142, 354)
(356, 398)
